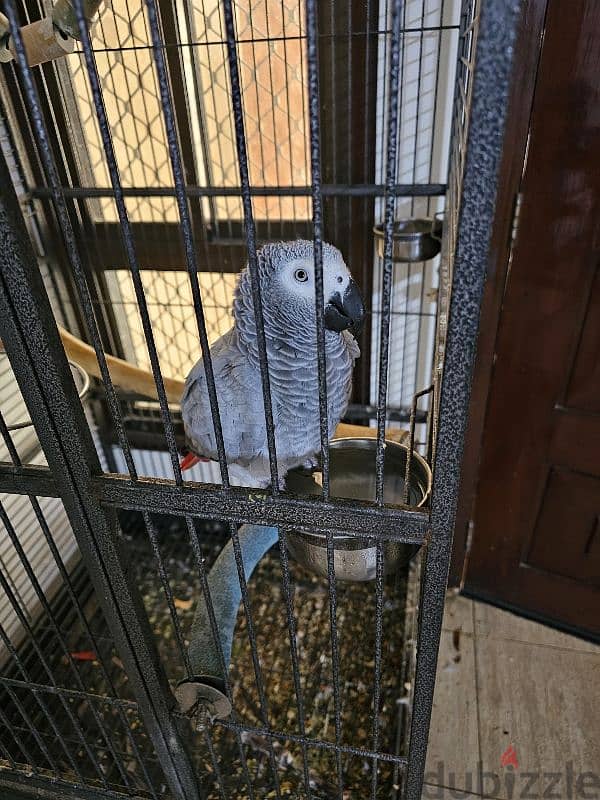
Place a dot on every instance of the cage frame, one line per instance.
(28, 329)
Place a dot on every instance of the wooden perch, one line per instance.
(140, 381)
(123, 373)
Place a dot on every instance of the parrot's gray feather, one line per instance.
(290, 331)
(241, 410)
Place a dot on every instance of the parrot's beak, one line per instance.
(345, 312)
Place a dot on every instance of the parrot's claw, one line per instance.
(312, 464)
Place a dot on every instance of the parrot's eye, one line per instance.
(301, 275)
(339, 279)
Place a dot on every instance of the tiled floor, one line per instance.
(502, 681)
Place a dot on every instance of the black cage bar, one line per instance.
(106, 547)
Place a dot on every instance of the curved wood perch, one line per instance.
(140, 381)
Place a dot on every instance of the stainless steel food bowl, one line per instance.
(352, 476)
(82, 384)
(413, 239)
(81, 378)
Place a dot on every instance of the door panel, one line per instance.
(576, 440)
(535, 544)
(585, 379)
(566, 535)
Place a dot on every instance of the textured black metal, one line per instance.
(335, 661)
(91, 499)
(111, 161)
(317, 219)
(187, 231)
(316, 743)
(16, 737)
(24, 672)
(391, 155)
(379, 567)
(33, 485)
(291, 623)
(30, 336)
(240, 138)
(258, 677)
(215, 763)
(257, 507)
(7, 438)
(91, 638)
(71, 694)
(411, 440)
(327, 190)
(395, 414)
(12, 535)
(21, 786)
(34, 480)
(194, 537)
(164, 578)
(6, 754)
(49, 164)
(494, 55)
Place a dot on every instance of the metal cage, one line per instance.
(138, 175)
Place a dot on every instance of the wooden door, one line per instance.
(535, 521)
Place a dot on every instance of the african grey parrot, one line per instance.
(286, 274)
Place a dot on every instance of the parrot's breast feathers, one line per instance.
(286, 272)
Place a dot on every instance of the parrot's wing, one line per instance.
(195, 403)
(240, 404)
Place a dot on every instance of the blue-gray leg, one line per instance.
(224, 585)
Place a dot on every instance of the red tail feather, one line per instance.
(190, 459)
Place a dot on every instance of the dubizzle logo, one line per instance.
(509, 758)
(513, 783)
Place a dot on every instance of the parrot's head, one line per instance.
(287, 280)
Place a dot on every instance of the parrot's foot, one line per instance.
(258, 474)
(250, 478)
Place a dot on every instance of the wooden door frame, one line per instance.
(527, 56)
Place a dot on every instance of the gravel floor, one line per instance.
(246, 764)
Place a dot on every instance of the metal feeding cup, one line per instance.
(352, 476)
(412, 239)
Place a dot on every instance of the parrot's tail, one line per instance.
(190, 459)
